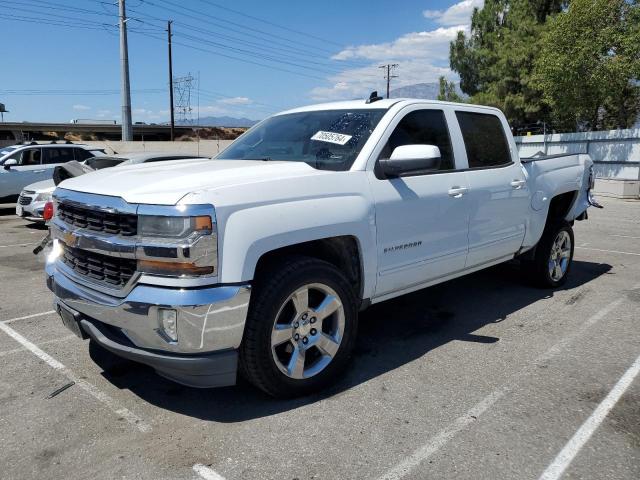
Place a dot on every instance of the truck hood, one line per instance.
(166, 183)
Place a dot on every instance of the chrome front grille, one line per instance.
(24, 200)
(112, 271)
(125, 224)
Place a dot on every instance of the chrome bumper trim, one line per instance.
(209, 319)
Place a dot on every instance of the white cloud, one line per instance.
(213, 110)
(457, 14)
(433, 44)
(422, 57)
(360, 82)
(81, 108)
(104, 113)
(236, 101)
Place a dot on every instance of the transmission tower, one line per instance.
(182, 92)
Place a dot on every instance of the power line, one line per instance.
(37, 92)
(273, 35)
(280, 46)
(234, 58)
(268, 22)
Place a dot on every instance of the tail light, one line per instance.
(47, 213)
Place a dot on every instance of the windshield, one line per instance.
(325, 139)
(6, 150)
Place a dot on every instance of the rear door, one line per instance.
(498, 195)
(421, 220)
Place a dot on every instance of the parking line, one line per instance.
(449, 432)
(623, 236)
(608, 251)
(22, 349)
(18, 245)
(571, 449)
(29, 316)
(206, 472)
(86, 386)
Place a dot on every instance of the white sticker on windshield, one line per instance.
(331, 137)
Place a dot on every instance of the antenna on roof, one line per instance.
(373, 97)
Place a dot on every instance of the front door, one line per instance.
(29, 170)
(421, 220)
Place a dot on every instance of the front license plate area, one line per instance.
(71, 322)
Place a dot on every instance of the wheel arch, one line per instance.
(344, 252)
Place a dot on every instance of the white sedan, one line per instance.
(33, 198)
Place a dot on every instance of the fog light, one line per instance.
(169, 321)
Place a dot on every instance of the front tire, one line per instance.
(553, 257)
(301, 328)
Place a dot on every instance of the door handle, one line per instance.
(457, 192)
(39, 171)
(518, 184)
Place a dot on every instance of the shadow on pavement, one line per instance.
(6, 210)
(392, 334)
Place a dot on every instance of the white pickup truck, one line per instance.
(261, 259)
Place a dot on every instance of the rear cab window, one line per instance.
(484, 140)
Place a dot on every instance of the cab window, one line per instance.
(30, 156)
(423, 127)
(57, 155)
(484, 140)
(82, 154)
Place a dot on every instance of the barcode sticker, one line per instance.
(331, 137)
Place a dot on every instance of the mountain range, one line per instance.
(428, 91)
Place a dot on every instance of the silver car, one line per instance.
(22, 165)
(33, 198)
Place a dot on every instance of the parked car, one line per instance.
(260, 260)
(32, 199)
(22, 165)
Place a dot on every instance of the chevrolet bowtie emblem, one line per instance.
(70, 239)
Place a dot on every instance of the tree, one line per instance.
(589, 65)
(447, 91)
(495, 62)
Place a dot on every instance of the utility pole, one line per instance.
(125, 88)
(390, 67)
(169, 22)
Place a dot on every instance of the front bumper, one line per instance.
(210, 326)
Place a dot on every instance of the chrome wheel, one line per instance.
(307, 331)
(560, 256)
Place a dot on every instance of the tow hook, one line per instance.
(43, 243)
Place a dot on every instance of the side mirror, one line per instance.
(11, 162)
(408, 159)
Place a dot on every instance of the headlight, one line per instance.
(43, 197)
(177, 246)
(173, 227)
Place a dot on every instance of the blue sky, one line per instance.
(61, 57)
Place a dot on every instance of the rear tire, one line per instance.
(553, 257)
(301, 328)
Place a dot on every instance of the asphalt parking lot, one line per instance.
(482, 377)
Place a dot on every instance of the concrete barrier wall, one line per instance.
(206, 148)
(616, 153)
